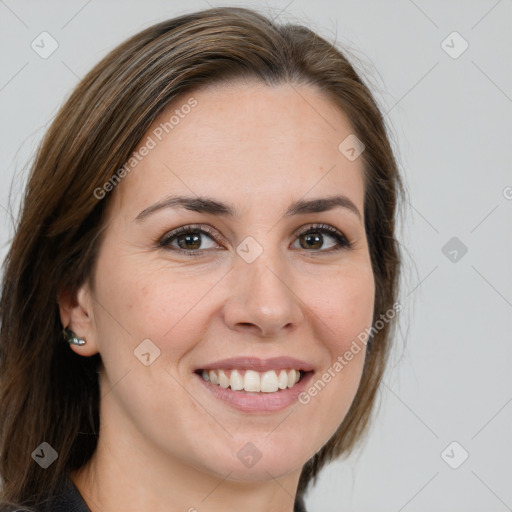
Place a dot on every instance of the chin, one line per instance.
(256, 458)
(261, 471)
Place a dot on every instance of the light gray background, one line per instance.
(451, 121)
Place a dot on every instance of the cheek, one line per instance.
(344, 303)
(343, 306)
(152, 302)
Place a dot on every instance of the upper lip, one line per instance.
(257, 364)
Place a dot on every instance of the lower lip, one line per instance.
(255, 401)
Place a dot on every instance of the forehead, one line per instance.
(245, 142)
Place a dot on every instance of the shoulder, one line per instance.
(4, 507)
(69, 500)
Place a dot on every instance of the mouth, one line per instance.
(271, 381)
(256, 385)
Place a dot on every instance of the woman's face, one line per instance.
(268, 283)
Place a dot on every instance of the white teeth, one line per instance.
(253, 381)
(223, 380)
(236, 381)
(214, 379)
(292, 376)
(269, 382)
(283, 379)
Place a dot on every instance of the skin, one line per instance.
(165, 443)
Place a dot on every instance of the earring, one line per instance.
(72, 338)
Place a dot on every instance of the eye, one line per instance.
(189, 240)
(315, 238)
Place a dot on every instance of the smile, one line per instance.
(253, 381)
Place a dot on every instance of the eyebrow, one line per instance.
(213, 207)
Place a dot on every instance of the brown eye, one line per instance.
(189, 239)
(322, 238)
(311, 241)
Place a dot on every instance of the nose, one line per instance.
(262, 300)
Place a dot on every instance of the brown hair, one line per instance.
(49, 393)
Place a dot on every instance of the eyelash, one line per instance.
(164, 242)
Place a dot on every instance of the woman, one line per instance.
(209, 224)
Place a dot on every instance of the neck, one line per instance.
(125, 473)
(109, 490)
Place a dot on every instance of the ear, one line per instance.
(76, 313)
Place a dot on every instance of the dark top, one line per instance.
(71, 501)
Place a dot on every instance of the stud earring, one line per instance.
(72, 338)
